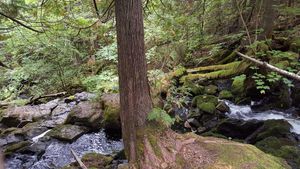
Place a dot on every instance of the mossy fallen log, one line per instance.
(217, 71)
(215, 67)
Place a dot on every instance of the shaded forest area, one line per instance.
(150, 84)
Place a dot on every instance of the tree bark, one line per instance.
(268, 19)
(135, 96)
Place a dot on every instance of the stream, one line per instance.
(58, 153)
(245, 112)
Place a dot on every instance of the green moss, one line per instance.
(179, 72)
(211, 89)
(291, 154)
(92, 161)
(283, 64)
(236, 155)
(13, 148)
(111, 116)
(233, 69)
(205, 99)
(225, 94)
(295, 44)
(229, 58)
(276, 128)
(207, 107)
(194, 88)
(238, 84)
(154, 143)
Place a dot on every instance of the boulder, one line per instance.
(276, 128)
(238, 129)
(86, 114)
(111, 112)
(19, 116)
(206, 103)
(223, 107)
(67, 132)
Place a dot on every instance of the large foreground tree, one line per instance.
(134, 88)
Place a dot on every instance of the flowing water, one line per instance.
(245, 112)
(58, 154)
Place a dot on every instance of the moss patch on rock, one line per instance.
(16, 147)
(225, 94)
(211, 89)
(93, 161)
(238, 84)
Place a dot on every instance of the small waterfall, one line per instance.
(245, 112)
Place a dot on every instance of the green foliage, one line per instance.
(106, 82)
(160, 115)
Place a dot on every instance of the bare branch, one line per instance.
(20, 23)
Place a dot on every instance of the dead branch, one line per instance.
(271, 67)
(82, 166)
(20, 23)
(33, 100)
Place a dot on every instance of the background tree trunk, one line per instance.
(268, 19)
(135, 96)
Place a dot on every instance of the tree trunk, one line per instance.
(268, 19)
(135, 96)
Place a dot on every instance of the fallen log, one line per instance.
(271, 67)
(33, 100)
(82, 166)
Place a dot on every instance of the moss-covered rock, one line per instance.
(194, 88)
(111, 112)
(207, 107)
(67, 132)
(211, 89)
(225, 94)
(92, 161)
(276, 128)
(238, 84)
(16, 147)
(281, 147)
(205, 99)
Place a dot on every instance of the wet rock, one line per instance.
(86, 114)
(111, 112)
(194, 123)
(238, 129)
(296, 94)
(67, 132)
(223, 107)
